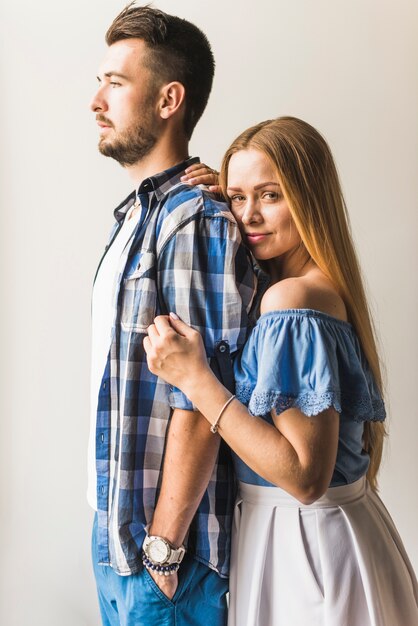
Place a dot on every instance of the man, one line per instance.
(174, 248)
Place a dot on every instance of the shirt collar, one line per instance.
(159, 184)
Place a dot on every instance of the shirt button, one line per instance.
(222, 347)
(102, 437)
(104, 385)
(102, 490)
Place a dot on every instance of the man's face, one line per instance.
(125, 104)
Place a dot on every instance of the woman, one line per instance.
(312, 542)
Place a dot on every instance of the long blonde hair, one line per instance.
(310, 183)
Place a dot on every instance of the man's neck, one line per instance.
(161, 158)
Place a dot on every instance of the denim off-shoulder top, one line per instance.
(311, 361)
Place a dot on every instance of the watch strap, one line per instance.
(175, 554)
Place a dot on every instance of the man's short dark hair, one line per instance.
(178, 51)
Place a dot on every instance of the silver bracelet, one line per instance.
(214, 427)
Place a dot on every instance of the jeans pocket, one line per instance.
(150, 582)
(186, 575)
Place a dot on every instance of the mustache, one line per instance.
(105, 120)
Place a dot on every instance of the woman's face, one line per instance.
(259, 206)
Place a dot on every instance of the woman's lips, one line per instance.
(256, 237)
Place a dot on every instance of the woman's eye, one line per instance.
(236, 198)
(271, 195)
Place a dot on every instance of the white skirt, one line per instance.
(337, 562)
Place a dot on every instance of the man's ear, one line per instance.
(172, 97)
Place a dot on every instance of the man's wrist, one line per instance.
(161, 555)
(160, 570)
(173, 531)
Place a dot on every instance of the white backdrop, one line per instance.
(348, 67)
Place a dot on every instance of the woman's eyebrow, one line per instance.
(256, 187)
(265, 185)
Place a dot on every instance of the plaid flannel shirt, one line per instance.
(186, 256)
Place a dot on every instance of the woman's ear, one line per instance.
(172, 98)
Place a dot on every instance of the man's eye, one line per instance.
(114, 84)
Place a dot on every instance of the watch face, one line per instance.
(158, 551)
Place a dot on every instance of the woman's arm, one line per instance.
(297, 454)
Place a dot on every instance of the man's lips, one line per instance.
(103, 122)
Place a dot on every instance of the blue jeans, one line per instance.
(136, 600)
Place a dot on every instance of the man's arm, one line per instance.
(204, 277)
(188, 465)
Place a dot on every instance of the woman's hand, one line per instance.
(175, 352)
(201, 174)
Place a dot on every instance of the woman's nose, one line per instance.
(251, 213)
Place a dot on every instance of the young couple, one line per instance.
(175, 301)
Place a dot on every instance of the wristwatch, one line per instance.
(160, 552)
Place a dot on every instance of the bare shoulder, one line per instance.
(306, 292)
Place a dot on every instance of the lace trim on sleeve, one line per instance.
(312, 403)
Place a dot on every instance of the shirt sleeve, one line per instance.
(207, 279)
(307, 361)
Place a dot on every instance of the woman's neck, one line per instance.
(293, 264)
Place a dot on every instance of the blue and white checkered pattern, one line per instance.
(186, 256)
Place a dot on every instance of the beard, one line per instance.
(132, 144)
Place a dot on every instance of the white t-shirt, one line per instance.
(103, 311)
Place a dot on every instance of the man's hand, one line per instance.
(167, 584)
(189, 459)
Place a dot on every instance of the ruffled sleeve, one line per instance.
(308, 360)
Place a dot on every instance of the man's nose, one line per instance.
(98, 103)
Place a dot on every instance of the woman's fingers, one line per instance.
(147, 345)
(171, 327)
(201, 174)
(194, 167)
(151, 354)
(201, 178)
(197, 169)
(180, 327)
(207, 177)
(162, 324)
(166, 328)
(153, 333)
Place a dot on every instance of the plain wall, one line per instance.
(348, 67)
